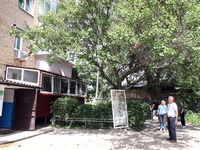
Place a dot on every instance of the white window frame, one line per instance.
(82, 89)
(30, 6)
(70, 87)
(45, 1)
(52, 83)
(22, 75)
(16, 43)
(68, 90)
(57, 93)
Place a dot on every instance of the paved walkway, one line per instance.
(10, 136)
(110, 139)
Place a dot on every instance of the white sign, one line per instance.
(119, 108)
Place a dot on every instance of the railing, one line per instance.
(85, 120)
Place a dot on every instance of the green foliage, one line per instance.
(193, 118)
(104, 34)
(64, 107)
(137, 114)
(101, 111)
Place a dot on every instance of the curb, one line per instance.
(23, 138)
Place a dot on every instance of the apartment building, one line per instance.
(28, 85)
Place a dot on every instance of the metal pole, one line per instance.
(97, 84)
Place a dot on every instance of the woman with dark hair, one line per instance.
(182, 113)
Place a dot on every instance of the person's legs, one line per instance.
(161, 121)
(154, 113)
(172, 128)
(183, 119)
(169, 127)
(164, 124)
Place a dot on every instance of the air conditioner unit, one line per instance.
(19, 54)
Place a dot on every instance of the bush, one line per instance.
(64, 107)
(137, 114)
(68, 107)
(193, 118)
(100, 111)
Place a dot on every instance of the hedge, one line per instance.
(68, 107)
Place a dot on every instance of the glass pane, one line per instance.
(41, 8)
(53, 7)
(46, 82)
(56, 84)
(27, 6)
(47, 7)
(17, 42)
(30, 76)
(20, 3)
(14, 74)
(84, 89)
(72, 87)
(79, 88)
(64, 86)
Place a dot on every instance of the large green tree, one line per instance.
(130, 40)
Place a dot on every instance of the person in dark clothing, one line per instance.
(155, 107)
(182, 113)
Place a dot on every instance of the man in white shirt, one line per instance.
(172, 116)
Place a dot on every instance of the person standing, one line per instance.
(182, 113)
(162, 112)
(172, 116)
(155, 107)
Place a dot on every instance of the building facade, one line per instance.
(29, 85)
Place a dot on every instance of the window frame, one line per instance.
(85, 89)
(68, 84)
(44, 6)
(59, 92)
(31, 3)
(16, 43)
(70, 88)
(52, 83)
(22, 76)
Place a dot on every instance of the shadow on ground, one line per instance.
(149, 138)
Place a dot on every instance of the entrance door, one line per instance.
(24, 109)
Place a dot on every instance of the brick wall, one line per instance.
(10, 12)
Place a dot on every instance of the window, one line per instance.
(46, 83)
(18, 43)
(47, 6)
(64, 86)
(56, 85)
(23, 75)
(72, 87)
(79, 88)
(26, 5)
(30, 76)
(14, 74)
(84, 89)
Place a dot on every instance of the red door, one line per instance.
(24, 109)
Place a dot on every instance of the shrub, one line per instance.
(137, 114)
(64, 106)
(100, 111)
(68, 107)
(193, 118)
